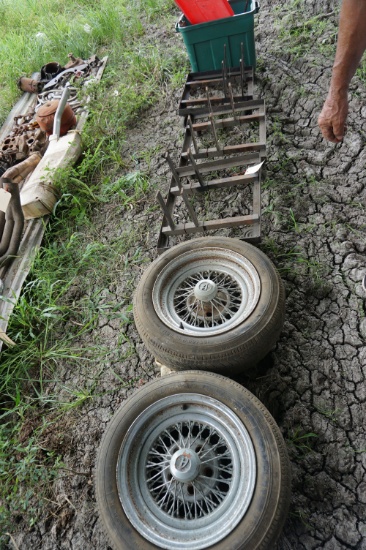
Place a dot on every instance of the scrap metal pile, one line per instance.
(23, 147)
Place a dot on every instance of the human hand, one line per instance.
(332, 119)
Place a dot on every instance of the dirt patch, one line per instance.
(314, 231)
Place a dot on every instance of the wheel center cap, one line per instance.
(185, 465)
(205, 290)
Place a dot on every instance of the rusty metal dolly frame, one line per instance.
(230, 108)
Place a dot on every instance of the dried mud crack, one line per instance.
(314, 231)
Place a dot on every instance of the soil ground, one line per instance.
(314, 231)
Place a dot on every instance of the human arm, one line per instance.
(350, 47)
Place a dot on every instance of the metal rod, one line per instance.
(225, 60)
(214, 132)
(242, 54)
(242, 76)
(195, 167)
(220, 106)
(219, 183)
(249, 79)
(231, 96)
(190, 208)
(191, 129)
(257, 195)
(60, 110)
(224, 77)
(189, 227)
(220, 164)
(231, 149)
(167, 215)
(173, 170)
(229, 122)
(242, 68)
(208, 100)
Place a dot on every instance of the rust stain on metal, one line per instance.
(46, 116)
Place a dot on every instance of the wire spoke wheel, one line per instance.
(213, 303)
(186, 472)
(190, 461)
(206, 292)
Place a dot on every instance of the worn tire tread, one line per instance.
(235, 351)
(249, 409)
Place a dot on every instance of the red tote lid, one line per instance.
(201, 11)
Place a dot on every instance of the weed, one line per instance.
(332, 414)
(294, 222)
(277, 133)
(78, 398)
(301, 441)
(26, 471)
(129, 188)
(302, 516)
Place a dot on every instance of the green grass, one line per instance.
(34, 33)
(300, 442)
(298, 34)
(49, 317)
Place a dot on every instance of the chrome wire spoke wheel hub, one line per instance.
(206, 292)
(186, 472)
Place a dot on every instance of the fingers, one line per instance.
(328, 133)
(332, 119)
(332, 129)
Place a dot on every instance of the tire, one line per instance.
(255, 465)
(239, 342)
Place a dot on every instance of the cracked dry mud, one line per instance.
(314, 231)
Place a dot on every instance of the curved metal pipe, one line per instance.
(2, 224)
(14, 225)
(59, 112)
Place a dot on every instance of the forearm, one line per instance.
(350, 45)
